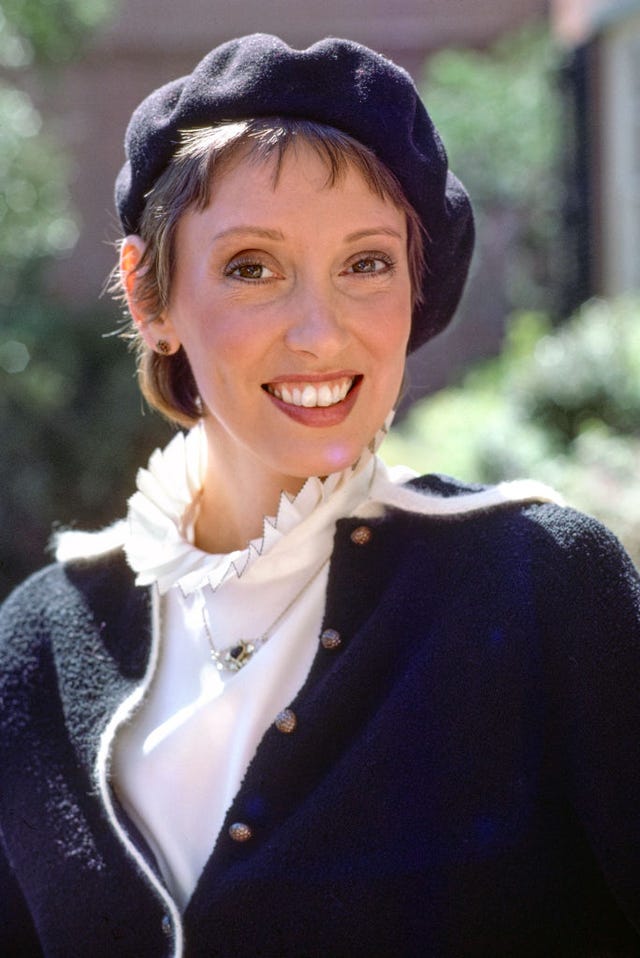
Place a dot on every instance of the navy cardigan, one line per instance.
(463, 780)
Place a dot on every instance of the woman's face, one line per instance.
(293, 304)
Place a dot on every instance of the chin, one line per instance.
(334, 458)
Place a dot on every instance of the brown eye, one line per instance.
(247, 271)
(364, 266)
(249, 267)
(370, 264)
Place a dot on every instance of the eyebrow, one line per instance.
(249, 230)
(374, 231)
(278, 236)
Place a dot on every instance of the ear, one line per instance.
(154, 330)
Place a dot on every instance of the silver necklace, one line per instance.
(234, 657)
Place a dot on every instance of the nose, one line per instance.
(317, 325)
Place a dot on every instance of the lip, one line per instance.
(318, 416)
(316, 377)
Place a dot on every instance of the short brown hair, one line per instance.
(167, 382)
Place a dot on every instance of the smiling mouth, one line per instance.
(310, 395)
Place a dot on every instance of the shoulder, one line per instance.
(441, 495)
(512, 522)
(484, 551)
(72, 637)
(60, 600)
(451, 502)
(583, 565)
(86, 563)
(32, 602)
(57, 586)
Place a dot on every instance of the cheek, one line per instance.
(392, 351)
(205, 331)
(227, 358)
(389, 337)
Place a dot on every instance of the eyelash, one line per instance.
(369, 256)
(236, 264)
(389, 263)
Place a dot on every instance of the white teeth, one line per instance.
(309, 396)
(325, 395)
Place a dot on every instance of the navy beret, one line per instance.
(338, 83)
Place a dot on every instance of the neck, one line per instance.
(234, 502)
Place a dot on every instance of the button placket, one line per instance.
(330, 639)
(286, 721)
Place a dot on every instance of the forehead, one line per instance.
(292, 178)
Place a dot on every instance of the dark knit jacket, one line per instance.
(463, 780)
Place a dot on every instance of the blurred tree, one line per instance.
(71, 430)
(35, 216)
(47, 30)
(500, 115)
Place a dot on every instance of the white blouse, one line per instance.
(179, 762)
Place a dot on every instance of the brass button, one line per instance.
(240, 832)
(361, 535)
(286, 721)
(330, 639)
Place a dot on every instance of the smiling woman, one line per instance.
(285, 291)
(186, 184)
(298, 704)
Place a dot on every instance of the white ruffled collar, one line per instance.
(158, 535)
(162, 513)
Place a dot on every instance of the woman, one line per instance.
(397, 716)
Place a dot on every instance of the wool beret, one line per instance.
(335, 82)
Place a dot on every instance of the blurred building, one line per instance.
(151, 41)
(603, 90)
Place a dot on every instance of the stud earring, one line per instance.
(163, 347)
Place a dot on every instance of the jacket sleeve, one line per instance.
(17, 933)
(591, 609)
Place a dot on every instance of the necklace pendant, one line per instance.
(237, 656)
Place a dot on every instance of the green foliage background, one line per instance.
(71, 425)
(501, 118)
(36, 221)
(47, 31)
(72, 431)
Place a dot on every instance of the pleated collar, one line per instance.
(163, 511)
